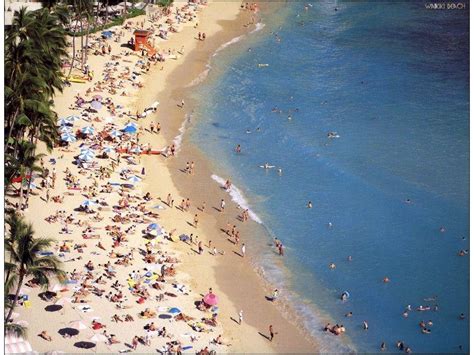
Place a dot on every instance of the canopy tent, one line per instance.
(15, 345)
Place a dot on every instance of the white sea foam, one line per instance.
(238, 197)
(179, 138)
(258, 27)
(201, 77)
(227, 44)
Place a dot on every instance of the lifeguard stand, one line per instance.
(141, 41)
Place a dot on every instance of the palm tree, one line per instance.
(23, 250)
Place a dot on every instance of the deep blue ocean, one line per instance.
(391, 79)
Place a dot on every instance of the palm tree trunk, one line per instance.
(15, 300)
(82, 46)
(73, 50)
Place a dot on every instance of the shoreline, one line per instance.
(221, 22)
(296, 340)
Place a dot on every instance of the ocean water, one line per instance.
(392, 79)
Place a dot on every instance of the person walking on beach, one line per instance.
(182, 103)
(134, 342)
(222, 205)
(274, 295)
(47, 195)
(241, 316)
(243, 249)
(168, 200)
(200, 247)
(196, 220)
(272, 334)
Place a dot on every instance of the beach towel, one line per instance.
(27, 304)
(187, 347)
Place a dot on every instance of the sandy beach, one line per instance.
(125, 276)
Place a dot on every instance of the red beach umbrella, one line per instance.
(211, 299)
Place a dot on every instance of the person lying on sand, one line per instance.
(45, 335)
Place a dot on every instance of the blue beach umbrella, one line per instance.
(134, 179)
(88, 130)
(174, 310)
(153, 226)
(68, 137)
(88, 203)
(130, 129)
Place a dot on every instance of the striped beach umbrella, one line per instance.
(136, 149)
(68, 137)
(88, 130)
(64, 129)
(115, 133)
(87, 155)
(108, 149)
(134, 179)
(96, 105)
(64, 122)
(73, 118)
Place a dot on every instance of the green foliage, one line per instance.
(165, 3)
(114, 22)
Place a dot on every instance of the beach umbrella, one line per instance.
(99, 338)
(53, 308)
(32, 184)
(136, 149)
(64, 122)
(65, 129)
(84, 345)
(68, 331)
(134, 179)
(73, 118)
(210, 299)
(88, 130)
(108, 149)
(87, 155)
(174, 310)
(77, 324)
(88, 203)
(153, 226)
(130, 129)
(86, 150)
(96, 104)
(68, 137)
(115, 133)
(131, 124)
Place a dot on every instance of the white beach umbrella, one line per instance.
(73, 118)
(88, 130)
(68, 137)
(134, 179)
(65, 129)
(77, 324)
(108, 149)
(115, 133)
(99, 338)
(136, 149)
(64, 121)
(87, 155)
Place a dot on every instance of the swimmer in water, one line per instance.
(248, 131)
(309, 205)
(442, 229)
(332, 266)
(349, 258)
(386, 279)
(280, 171)
(329, 225)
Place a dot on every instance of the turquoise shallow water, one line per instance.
(392, 79)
